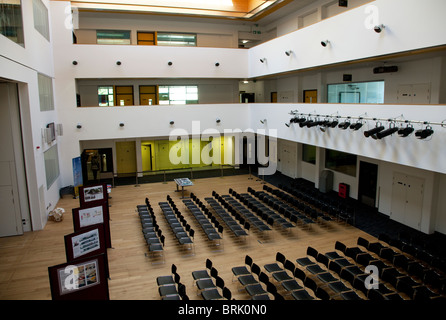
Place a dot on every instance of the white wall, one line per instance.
(402, 34)
(209, 33)
(21, 64)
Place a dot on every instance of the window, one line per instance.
(51, 157)
(106, 96)
(113, 36)
(176, 39)
(46, 99)
(41, 22)
(178, 95)
(340, 162)
(309, 153)
(360, 92)
(11, 22)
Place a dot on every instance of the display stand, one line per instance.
(88, 242)
(84, 279)
(95, 214)
(182, 182)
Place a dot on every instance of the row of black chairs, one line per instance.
(255, 282)
(324, 205)
(323, 266)
(272, 217)
(282, 206)
(418, 248)
(234, 206)
(306, 209)
(209, 284)
(416, 278)
(170, 286)
(393, 280)
(209, 224)
(153, 235)
(240, 228)
(182, 230)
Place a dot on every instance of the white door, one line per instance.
(407, 200)
(289, 159)
(10, 214)
(414, 202)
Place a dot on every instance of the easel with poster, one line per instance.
(83, 279)
(88, 242)
(94, 214)
(85, 274)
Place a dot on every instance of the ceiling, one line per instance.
(247, 10)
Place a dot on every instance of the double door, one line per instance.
(407, 200)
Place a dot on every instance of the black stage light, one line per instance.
(404, 132)
(356, 126)
(423, 134)
(344, 125)
(305, 123)
(373, 131)
(387, 132)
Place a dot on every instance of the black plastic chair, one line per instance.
(284, 275)
(214, 293)
(166, 280)
(257, 289)
(243, 270)
(275, 267)
(203, 274)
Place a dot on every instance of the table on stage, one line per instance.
(183, 182)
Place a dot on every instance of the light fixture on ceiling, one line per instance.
(172, 122)
(404, 132)
(217, 64)
(118, 63)
(423, 134)
(122, 124)
(372, 132)
(379, 28)
(387, 132)
(170, 63)
(75, 63)
(325, 43)
(344, 125)
(218, 120)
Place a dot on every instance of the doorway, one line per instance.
(368, 179)
(246, 97)
(146, 38)
(148, 95)
(126, 158)
(124, 95)
(105, 159)
(407, 200)
(13, 186)
(310, 96)
(273, 97)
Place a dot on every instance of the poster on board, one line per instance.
(93, 194)
(84, 279)
(93, 215)
(87, 242)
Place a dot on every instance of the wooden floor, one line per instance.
(24, 260)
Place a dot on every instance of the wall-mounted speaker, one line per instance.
(385, 69)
